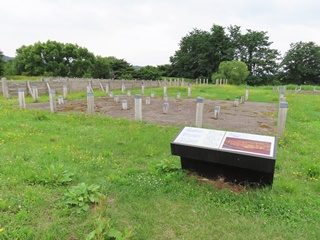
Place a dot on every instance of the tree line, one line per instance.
(219, 53)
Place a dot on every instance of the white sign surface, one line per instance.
(200, 137)
(228, 141)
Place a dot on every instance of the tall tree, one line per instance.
(120, 69)
(201, 52)
(101, 68)
(54, 59)
(253, 48)
(301, 64)
(148, 73)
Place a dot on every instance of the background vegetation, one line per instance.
(67, 176)
(199, 56)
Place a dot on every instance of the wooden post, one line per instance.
(5, 88)
(282, 116)
(52, 97)
(48, 87)
(22, 102)
(29, 88)
(90, 103)
(137, 107)
(199, 112)
(217, 82)
(101, 87)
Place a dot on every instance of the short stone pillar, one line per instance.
(35, 93)
(22, 102)
(236, 102)
(137, 107)
(152, 94)
(282, 116)
(142, 89)
(5, 90)
(165, 90)
(216, 112)
(148, 100)
(282, 92)
(165, 108)
(165, 97)
(90, 103)
(199, 112)
(242, 99)
(178, 95)
(60, 100)
(107, 88)
(65, 91)
(189, 91)
(52, 97)
(124, 104)
(129, 93)
(123, 88)
(116, 98)
(247, 94)
(111, 94)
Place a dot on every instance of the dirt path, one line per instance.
(250, 117)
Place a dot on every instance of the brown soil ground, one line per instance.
(250, 117)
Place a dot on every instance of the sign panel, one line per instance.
(249, 143)
(200, 137)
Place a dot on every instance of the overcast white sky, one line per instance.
(148, 32)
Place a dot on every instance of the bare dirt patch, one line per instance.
(250, 117)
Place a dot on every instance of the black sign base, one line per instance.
(231, 174)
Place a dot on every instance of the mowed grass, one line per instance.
(142, 188)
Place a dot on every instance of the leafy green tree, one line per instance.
(54, 59)
(149, 73)
(253, 48)
(235, 71)
(101, 68)
(166, 70)
(120, 69)
(1, 63)
(301, 64)
(201, 52)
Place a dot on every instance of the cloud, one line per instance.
(148, 32)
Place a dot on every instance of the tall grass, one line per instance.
(142, 186)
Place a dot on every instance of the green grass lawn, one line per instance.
(53, 166)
